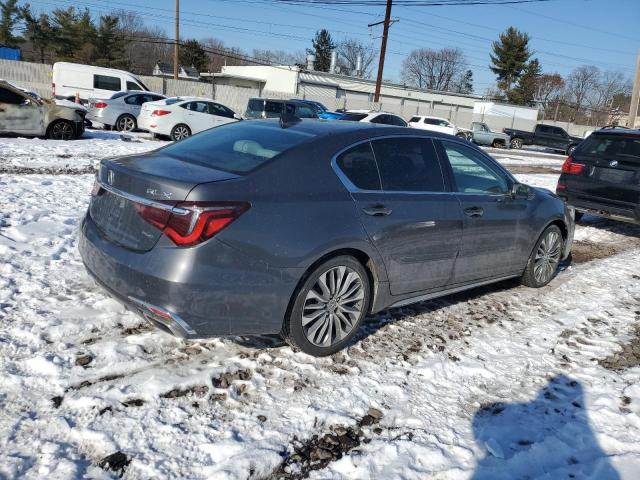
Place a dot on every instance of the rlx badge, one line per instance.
(157, 193)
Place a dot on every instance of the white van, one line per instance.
(87, 81)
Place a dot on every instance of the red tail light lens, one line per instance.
(572, 168)
(101, 105)
(191, 223)
(159, 113)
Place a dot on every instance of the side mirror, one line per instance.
(520, 190)
(28, 102)
(237, 117)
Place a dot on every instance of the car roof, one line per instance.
(142, 92)
(625, 132)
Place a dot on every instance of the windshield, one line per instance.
(237, 147)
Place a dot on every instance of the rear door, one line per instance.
(415, 223)
(493, 242)
(612, 170)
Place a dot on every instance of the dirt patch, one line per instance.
(115, 462)
(583, 251)
(628, 357)
(532, 169)
(16, 170)
(319, 451)
(226, 379)
(196, 390)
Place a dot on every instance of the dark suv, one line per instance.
(274, 108)
(602, 176)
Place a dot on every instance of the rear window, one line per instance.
(618, 146)
(237, 147)
(414, 119)
(354, 117)
(435, 121)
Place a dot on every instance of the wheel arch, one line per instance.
(47, 131)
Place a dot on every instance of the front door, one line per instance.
(400, 194)
(493, 242)
(20, 113)
(198, 116)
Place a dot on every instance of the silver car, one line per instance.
(482, 135)
(121, 110)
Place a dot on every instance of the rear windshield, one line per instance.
(172, 100)
(237, 147)
(354, 117)
(619, 146)
(118, 95)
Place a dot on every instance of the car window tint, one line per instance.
(133, 99)
(383, 119)
(397, 121)
(105, 82)
(414, 119)
(237, 147)
(118, 95)
(273, 108)
(219, 110)
(472, 172)
(359, 166)
(133, 86)
(199, 107)
(305, 112)
(10, 97)
(408, 165)
(354, 117)
(544, 129)
(623, 147)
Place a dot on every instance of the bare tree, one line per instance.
(221, 55)
(434, 69)
(279, 57)
(581, 83)
(549, 87)
(348, 52)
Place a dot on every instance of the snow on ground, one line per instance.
(501, 382)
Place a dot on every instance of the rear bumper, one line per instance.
(602, 209)
(209, 290)
(101, 116)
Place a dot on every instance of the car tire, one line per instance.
(126, 123)
(497, 144)
(543, 262)
(62, 130)
(180, 132)
(516, 143)
(328, 307)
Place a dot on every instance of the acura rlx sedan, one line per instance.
(305, 227)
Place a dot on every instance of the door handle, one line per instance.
(377, 211)
(474, 212)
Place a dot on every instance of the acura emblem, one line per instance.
(110, 177)
(613, 163)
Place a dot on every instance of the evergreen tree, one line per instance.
(465, 84)
(526, 90)
(10, 15)
(322, 46)
(509, 58)
(110, 44)
(192, 54)
(39, 32)
(74, 35)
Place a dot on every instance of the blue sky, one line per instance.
(565, 33)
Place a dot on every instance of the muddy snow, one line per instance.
(500, 382)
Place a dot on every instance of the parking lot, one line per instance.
(497, 382)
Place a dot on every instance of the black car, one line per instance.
(275, 108)
(602, 175)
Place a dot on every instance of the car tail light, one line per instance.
(100, 105)
(572, 168)
(191, 223)
(159, 113)
(561, 187)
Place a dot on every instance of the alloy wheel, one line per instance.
(126, 124)
(547, 257)
(333, 306)
(62, 131)
(516, 143)
(180, 132)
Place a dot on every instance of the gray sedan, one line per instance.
(121, 110)
(304, 227)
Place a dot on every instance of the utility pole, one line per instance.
(175, 42)
(633, 109)
(383, 48)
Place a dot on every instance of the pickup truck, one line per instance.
(555, 138)
(482, 135)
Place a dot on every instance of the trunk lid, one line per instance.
(126, 185)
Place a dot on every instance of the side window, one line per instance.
(10, 97)
(408, 165)
(133, 86)
(105, 82)
(472, 172)
(359, 166)
(220, 110)
(133, 100)
(273, 109)
(398, 121)
(559, 132)
(544, 129)
(414, 119)
(384, 119)
(155, 98)
(200, 107)
(305, 112)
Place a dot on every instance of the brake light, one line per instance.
(572, 168)
(191, 223)
(159, 113)
(101, 105)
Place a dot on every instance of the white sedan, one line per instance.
(181, 117)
